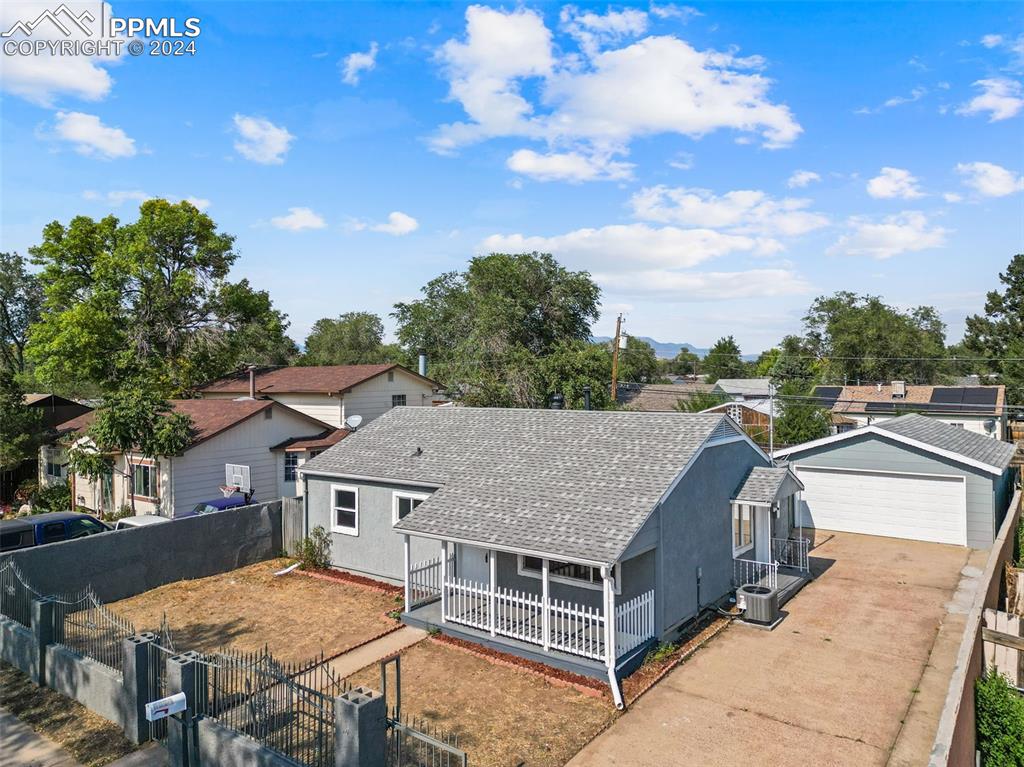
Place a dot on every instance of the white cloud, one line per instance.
(905, 232)
(91, 137)
(593, 31)
(705, 286)
(952, 197)
(894, 182)
(1000, 97)
(353, 65)
(682, 161)
(992, 41)
(397, 225)
(199, 203)
(597, 104)
(745, 211)
(990, 180)
(802, 178)
(116, 197)
(916, 94)
(260, 140)
(567, 166)
(299, 219)
(42, 78)
(672, 11)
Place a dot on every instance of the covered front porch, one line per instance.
(551, 611)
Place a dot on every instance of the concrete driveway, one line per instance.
(855, 675)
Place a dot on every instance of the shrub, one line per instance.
(999, 711)
(124, 511)
(56, 497)
(662, 652)
(314, 551)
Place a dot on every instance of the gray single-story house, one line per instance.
(524, 529)
(909, 477)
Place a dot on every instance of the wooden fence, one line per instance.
(292, 518)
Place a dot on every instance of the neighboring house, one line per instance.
(331, 393)
(980, 409)
(753, 415)
(54, 410)
(908, 477)
(246, 443)
(659, 398)
(743, 388)
(547, 521)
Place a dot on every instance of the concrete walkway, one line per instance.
(351, 662)
(855, 675)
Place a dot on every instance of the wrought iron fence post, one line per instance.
(135, 678)
(45, 633)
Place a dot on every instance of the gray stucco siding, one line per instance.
(873, 452)
(696, 531)
(377, 550)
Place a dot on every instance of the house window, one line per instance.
(566, 572)
(391, 377)
(268, 413)
(742, 527)
(397, 400)
(54, 470)
(403, 503)
(144, 480)
(291, 466)
(345, 509)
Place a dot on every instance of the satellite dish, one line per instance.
(353, 421)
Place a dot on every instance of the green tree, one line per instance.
(638, 362)
(354, 338)
(133, 419)
(723, 360)
(799, 419)
(864, 339)
(21, 300)
(683, 364)
(153, 295)
(699, 401)
(20, 426)
(485, 330)
(793, 362)
(999, 714)
(573, 365)
(999, 333)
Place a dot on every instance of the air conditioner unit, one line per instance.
(761, 603)
(899, 389)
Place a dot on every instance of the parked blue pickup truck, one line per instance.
(35, 530)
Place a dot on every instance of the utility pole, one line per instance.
(615, 359)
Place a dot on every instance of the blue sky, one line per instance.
(715, 166)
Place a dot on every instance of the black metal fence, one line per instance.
(413, 742)
(82, 624)
(15, 594)
(284, 706)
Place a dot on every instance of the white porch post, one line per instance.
(545, 601)
(609, 617)
(408, 566)
(444, 580)
(492, 561)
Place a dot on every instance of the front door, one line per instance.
(763, 533)
(473, 564)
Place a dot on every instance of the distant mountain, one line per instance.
(668, 350)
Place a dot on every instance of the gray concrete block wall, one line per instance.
(18, 647)
(225, 747)
(124, 563)
(92, 684)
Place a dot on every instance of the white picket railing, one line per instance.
(792, 552)
(634, 622)
(577, 629)
(518, 614)
(747, 571)
(467, 603)
(425, 580)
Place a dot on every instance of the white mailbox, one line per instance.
(164, 707)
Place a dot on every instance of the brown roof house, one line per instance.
(255, 446)
(331, 393)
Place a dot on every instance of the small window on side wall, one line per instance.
(345, 509)
(397, 400)
(404, 503)
(742, 527)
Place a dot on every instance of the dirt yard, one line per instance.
(91, 739)
(504, 716)
(295, 615)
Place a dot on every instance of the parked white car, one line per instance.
(142, 520)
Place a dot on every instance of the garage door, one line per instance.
(921, 507)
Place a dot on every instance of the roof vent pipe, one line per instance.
(252, 382)
(586, 398)
(423, 364)
(557, 401)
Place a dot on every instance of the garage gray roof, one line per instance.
(986, 450)
(571, 484)
(764, 484)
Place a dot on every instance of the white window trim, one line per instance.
(404, 494)
(334, 517)
(742, 549)
(599, 586)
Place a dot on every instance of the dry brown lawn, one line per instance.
(90, 738)
(504, 716)
(297, 617)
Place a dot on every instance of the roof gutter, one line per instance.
(367, 478)
(504, 548)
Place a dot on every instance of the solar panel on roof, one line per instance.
(981, 395)
(827, 395)
(947, 394)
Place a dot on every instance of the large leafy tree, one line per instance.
(864, 339)
(638, 362)
(20, 426)
(999, 334)
(153, 295)
(487, 329)
(354, 338)
(21, 300)
(572, 366)
(684, 363)
(724, 361)
(799, 418)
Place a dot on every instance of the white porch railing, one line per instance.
(792, 552)
(425, 580)
(570, 627)
(745, 571)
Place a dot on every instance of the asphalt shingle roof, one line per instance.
(321, 379)
(930, 431)
(566, 483)
(762, 484)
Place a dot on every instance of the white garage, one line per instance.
(910, 477)
(919, 506)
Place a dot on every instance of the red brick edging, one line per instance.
(359, 580)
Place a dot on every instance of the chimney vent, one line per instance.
(557, 401)
(586, 398)
(423, 364)
(252, 382)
